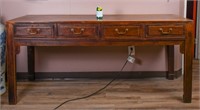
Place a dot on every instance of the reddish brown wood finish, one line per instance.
(11, 65)
(113, 30)
(165, 30)
(34, 30)
(188, 57)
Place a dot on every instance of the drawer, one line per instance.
(122, 32)
(77, 31)
(165, 30)
(33, 30)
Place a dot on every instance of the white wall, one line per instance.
(93, 58)
(15, 8)
(0, 10)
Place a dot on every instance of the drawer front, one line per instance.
(33, 30)
(77, 31)
(165, 30)
(122, 32)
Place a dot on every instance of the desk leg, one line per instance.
(188, 58)
(11, 66)
(31, 63)
(170, 55)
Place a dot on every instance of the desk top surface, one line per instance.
(92, 18)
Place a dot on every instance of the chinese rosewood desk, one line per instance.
(86, 30)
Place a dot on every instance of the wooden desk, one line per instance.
(85, 30)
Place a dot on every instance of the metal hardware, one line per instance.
(165, 32)
(33, 31)
(77, 33)
(121, 33)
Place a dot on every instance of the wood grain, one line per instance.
(92, 18)
(11, 64)
(123, 94)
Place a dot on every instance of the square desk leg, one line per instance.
(170, 56)
(11, 51)
(188, 58)
(11, 69)
(31, 63)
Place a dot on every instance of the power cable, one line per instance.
(99, 90)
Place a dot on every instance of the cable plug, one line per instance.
(131, 59)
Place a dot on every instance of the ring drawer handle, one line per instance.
(121, 33)
(165, 32)
(33, 31)
(77, 32)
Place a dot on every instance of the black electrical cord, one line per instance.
(94, 93)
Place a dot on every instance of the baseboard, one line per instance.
(62, 75)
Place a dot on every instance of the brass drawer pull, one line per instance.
(121, 33)
(76, 32)
(33, 31)
(165, 32)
